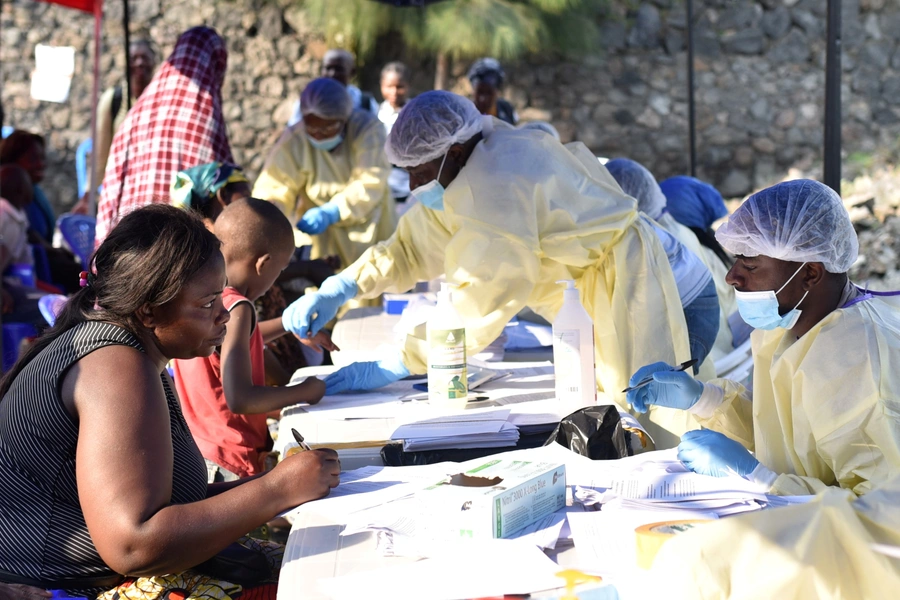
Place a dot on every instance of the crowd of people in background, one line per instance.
(196, 307)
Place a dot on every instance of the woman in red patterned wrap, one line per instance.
(177, 123)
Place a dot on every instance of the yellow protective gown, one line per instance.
(826, 407)
(816, 551)
(727, 302)
(354, 175)
(526, 212)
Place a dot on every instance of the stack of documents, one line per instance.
(479, 428)
(657, 482)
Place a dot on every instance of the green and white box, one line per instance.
(496, 499)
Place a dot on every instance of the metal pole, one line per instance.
(95, 94)
(832, 174)
(125, 19)
(692, 122)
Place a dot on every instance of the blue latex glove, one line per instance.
(319, 218)
(309, 313)
(673, 389)
(366, 375)
(711, 453)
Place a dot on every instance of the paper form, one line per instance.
(545, 532)
(679, 486)
(373, 486)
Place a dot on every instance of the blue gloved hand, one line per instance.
(319, 218)
(711, 453)
(366, 375)
(673, 389)
(309, 313)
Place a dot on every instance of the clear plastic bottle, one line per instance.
(573, 352)
(447, 386)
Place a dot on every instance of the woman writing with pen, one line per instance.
(104, 491)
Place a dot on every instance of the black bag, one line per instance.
(595, 432)
(237, 564)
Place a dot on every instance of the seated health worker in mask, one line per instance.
(825, 405)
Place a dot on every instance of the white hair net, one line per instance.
(796, 221)
(327, 99)
(428, 125)
(639, 183)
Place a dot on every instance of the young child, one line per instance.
(224, 397)
(395, 90)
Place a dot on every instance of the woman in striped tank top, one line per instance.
(101, 484)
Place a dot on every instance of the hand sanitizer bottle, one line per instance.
(573, 352)
(447, 386)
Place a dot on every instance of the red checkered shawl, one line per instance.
(176, 124)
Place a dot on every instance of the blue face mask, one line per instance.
(327, 144)
(432, 193)
(760, 309)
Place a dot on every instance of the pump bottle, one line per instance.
(447, 385)
(573, 352)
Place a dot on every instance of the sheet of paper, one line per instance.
(667, 487)
(52, 76)
(373, 486)
(721, 507)
(545, 532)
(475, 569)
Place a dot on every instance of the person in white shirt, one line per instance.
(341, 66)
(394, 90)
(18, 303)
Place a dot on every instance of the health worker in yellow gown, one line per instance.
(505, 214)
(329, 175)
(825, 405)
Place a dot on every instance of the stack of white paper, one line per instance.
(664, 485)
(480, 428)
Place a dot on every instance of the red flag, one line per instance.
(85, 5)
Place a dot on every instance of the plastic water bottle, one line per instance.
(573, 352)
(447, 385)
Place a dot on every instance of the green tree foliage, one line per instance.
(462, 29)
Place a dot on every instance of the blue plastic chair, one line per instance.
(13, 335)
(23, 272)
(79, 232)
(50, 306)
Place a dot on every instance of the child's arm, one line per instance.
(274, 329)
(271, 329)
(242, 396)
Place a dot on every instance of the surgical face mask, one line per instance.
(760, 309)
(432, 193)
(327, 144)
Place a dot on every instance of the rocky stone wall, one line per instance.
(759, 81)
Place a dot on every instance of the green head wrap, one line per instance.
(195, 187)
